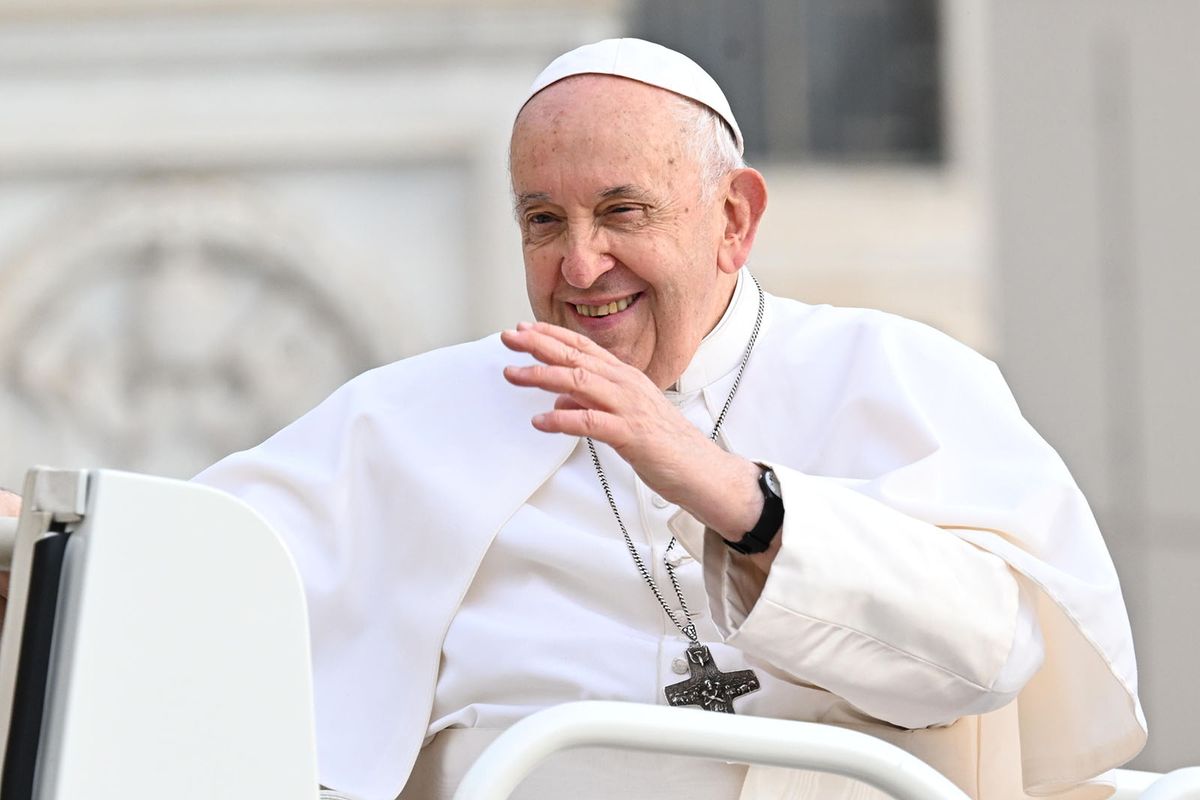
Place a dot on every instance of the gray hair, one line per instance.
(710, 141)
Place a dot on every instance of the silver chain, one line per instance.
(688, 629)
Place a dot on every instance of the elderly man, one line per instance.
(834, 515)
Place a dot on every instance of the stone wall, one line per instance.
(210, 219)
(1097, 186)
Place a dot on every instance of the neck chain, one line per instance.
(708, 687)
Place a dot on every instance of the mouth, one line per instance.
(603, 310)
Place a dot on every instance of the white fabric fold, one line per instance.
(887, 436)
(852, 592)
(895, 412)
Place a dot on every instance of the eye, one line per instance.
(624, 209)
(539, 219)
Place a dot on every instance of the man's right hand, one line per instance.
(10, 503)
(10, 506)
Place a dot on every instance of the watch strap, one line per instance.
(759, 538)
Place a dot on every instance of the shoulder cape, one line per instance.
(390, 492)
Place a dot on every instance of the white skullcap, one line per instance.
(646, 62)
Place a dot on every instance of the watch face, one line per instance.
(772, 482)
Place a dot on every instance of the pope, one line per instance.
(675, 488)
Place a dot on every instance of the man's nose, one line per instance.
(586, 259)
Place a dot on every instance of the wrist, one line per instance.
(764, 536)
(730, 502)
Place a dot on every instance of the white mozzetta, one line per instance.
(919, 502)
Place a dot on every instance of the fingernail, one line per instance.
(524, 326)
(540, 419)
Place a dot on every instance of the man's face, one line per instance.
(619, 244)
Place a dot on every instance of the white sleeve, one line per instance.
(931, 541)
(905, 620)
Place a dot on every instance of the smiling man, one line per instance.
(675, 488)
(625, 244)
(614, 207)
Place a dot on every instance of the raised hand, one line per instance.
(600, 396)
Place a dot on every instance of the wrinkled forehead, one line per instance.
(614, 124)
(598, 102)
(592, 138)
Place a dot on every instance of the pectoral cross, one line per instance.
(708, 687)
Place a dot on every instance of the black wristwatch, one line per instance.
(759, 538)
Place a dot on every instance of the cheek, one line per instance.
(650, 260)
(540, 271)
(541, 279)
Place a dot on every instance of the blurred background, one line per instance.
(213, 213)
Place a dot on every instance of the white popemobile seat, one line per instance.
(156, 645)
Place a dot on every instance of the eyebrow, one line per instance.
(526, 199)
(625, 190)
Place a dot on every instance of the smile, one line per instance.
(607, 308)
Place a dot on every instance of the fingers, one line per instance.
(568, 337)
(583, 405)
(600, 425)
(542, 346)
(566, 369)
(597, 394)
(584, 387)
(551, 344)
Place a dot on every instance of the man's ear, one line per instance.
(745, 203)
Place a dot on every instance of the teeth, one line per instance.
(605, 310)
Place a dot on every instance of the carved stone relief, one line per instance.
(167, 323)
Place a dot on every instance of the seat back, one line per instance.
(156, 645)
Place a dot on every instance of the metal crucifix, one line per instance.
(708, 687)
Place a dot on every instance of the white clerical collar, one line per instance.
(721, 350)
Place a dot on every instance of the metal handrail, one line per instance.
(750, 740)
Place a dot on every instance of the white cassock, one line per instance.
(464, 570)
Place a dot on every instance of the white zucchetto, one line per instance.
(647, 63)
